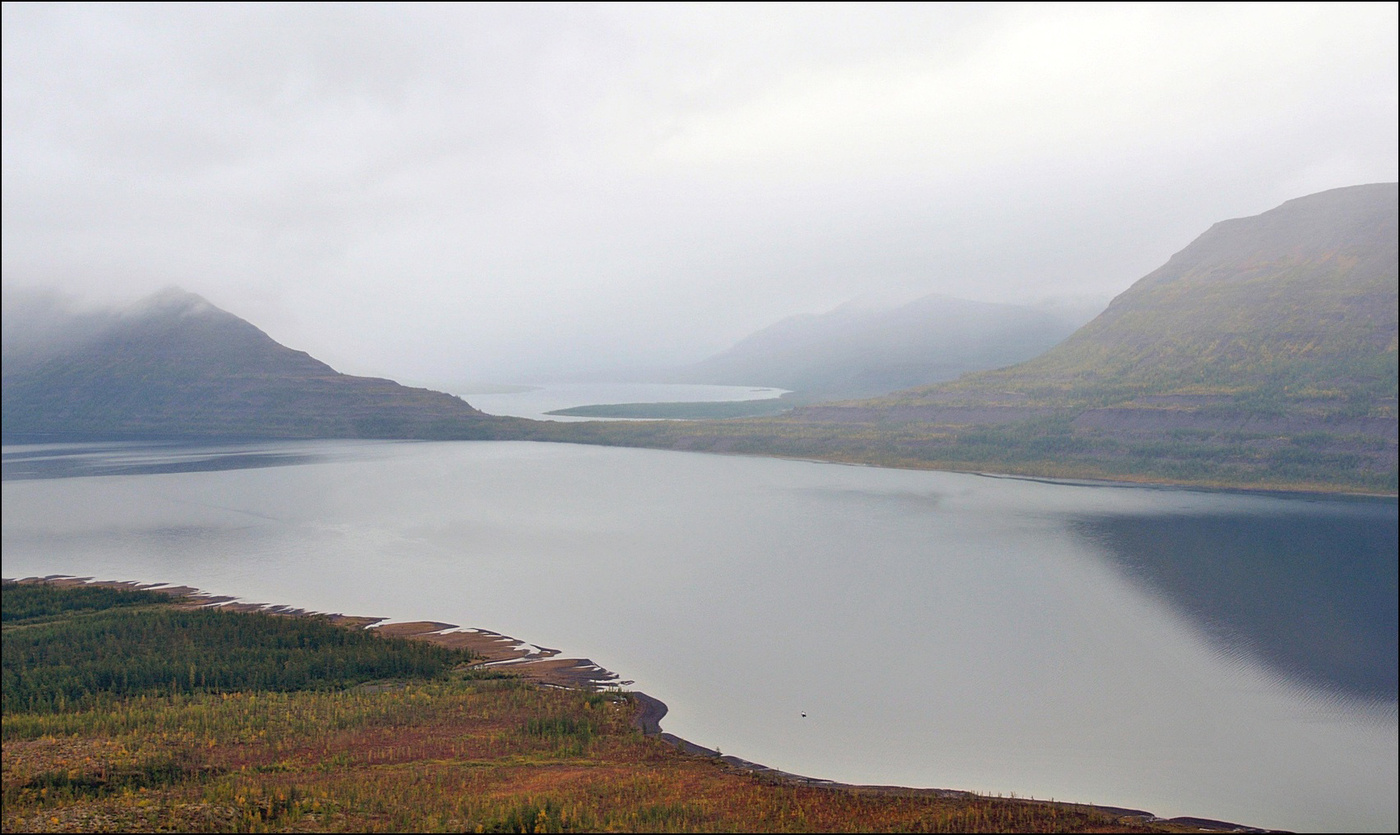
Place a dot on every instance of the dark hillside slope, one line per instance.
(1297, 306)
(175, 365)
(1277, 332)
(1263, 354)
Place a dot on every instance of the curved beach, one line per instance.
(544, 667)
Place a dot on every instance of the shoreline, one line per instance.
(1285, 490)
(1303, 490)
(542, 666)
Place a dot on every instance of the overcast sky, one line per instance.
(499, 193)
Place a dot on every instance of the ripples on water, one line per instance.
(33, 461)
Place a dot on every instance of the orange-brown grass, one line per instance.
(455, 755)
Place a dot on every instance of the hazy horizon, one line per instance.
(507, 193)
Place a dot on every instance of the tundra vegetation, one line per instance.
(134, 711)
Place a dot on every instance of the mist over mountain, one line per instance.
(175, 365)
(858, 350)
(1296, 307)
(1264, 353)
(1270, 338)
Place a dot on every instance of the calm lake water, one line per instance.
(1185, 652)
(537, 402)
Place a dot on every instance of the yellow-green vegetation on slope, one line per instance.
(1292, 312)
(1263, 355)
(449, 751)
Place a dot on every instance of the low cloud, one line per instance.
(509, 192)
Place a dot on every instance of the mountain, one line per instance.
(175, 365)
(1290, 311)
(1270, 340)
(1261, 355)
(862, 351)
(1264, 355)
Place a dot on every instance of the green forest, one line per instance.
(73, 647)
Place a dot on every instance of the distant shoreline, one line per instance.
(1301, 491)
(543, 667)
(1283, 490)
(681, 410)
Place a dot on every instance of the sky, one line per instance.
(450, 194)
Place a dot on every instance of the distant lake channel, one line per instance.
(1187, 652)
(541, 402)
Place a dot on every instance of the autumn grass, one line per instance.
(451, 755)
(454, 753)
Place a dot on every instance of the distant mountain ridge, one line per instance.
(176, 365)
(1277, 332)
(1261, 355)
(862, 351)
(1264, 354)
(1296, 305)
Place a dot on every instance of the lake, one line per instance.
(1217, 654)
(536, 402)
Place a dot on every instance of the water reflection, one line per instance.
(35, 461)
(1313, 596)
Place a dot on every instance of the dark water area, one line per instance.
(42, 461)
(1313, 594)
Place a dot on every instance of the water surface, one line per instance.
(1191, 653)
(538, 402)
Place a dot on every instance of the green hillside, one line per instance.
(1292, 311)
(1262, 355)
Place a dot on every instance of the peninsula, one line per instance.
(307, 726)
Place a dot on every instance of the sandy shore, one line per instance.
(542, 666)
